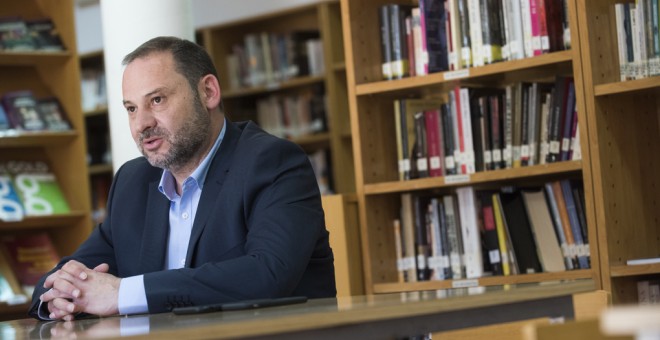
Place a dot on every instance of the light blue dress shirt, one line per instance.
(132, 296)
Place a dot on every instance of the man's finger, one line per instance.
(76, 269)
(102, 268)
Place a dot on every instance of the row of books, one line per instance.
(29, 188)
(477, 233)
(486, 129)
(648, 292)
(22, 111)
(638, 38)
(293, 116)
(444, 35)
(93, 89)
(268, 58)
(321, 161)
(17, 34)
(24, 259)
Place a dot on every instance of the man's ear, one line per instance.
(209, 90)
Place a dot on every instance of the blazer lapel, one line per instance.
(215, 178)
(156, 231)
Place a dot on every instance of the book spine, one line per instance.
(398, 36)
(568, 122)
(433, 142)
(469, 229)
(571, 248)
(582, 248)
(385, 42)
(421, 162)
(454, 238)
(436, 36)
(466, 57)
(448, 139)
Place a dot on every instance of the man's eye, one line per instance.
(130, 109)
(157, 100)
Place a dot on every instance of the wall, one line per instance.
(205, 13)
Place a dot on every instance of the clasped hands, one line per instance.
(75, 289)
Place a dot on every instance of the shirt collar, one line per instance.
(167, 185)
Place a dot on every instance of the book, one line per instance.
(14, 35)
(454, 237)
(53, 114)
(44, 35)
(520, 232)
(22, 111)
(650, 260)
(433, 22)
(448, 139)
(385, 42)
(30, 256)
(582, 247)
(562, 221)
(491, 30)
(549, 251)
(399, 46)
(398, 248)
(422, 246)
(11, 292)
(490, 233)
(467, 208)
(408, 236)
(435, 149)
(420, 162)
(405, 110)
(503, 240)
(4, 121)
(11, 207)
(38, 188)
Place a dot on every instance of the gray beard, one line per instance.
(185, 144)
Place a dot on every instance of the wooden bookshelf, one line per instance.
(240, 103)
(624, 138)
(46, 74)
(374, 146)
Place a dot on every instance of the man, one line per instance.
(215, 211)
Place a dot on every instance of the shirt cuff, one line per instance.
(132, 297)
(42, 312)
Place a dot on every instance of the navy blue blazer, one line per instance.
(259, 230)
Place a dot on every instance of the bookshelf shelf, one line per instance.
(274, 87)
(622, 270)
(629, 86)
(43, 222)
(100, 169)
(560, 168)
(33, 58)
(483, 282)
(97, 112)
(551, 60)
(41, 139)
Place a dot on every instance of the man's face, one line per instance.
(168, 121)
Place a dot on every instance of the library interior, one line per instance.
(486, 168)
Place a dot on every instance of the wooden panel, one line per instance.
(342, 222)
(378, 246)
(378, 137)
(630, 142)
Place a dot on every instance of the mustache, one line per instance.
(152, 132)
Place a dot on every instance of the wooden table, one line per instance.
(383, 316)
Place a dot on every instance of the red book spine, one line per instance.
(434, 142)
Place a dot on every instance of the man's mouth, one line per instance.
(152, 143)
